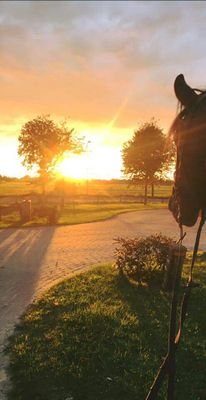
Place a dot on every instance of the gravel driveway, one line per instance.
(34, 259)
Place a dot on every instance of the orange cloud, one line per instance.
(108, 66)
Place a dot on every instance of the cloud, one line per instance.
(83, 59)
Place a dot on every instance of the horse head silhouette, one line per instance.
(189, 134)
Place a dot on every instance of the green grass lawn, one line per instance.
(99, 188)
(105, 200)
(97, 336)
(97, 212)
(79, 214)
(18, 188)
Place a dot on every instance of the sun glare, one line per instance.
(101, 163)
(73, 166)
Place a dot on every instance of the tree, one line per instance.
(42, 143)
(146, 154)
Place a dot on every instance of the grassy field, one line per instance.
(79, 188)
(92, 212)
(84, 201)
(97, 336)
(78, 214)
(18, 188)
(115, 189)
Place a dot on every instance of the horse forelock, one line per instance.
(190, 120)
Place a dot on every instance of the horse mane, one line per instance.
(180, 112)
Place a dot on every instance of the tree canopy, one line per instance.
(146, 154)
(41, 142)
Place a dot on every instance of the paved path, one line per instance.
(33, 259)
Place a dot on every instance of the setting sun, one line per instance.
(73, 166)
(98, 163)
(102, 163)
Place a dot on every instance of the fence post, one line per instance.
(25, 210)
(178, 253)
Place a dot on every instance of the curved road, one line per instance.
(33, 259)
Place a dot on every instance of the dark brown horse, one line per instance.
(187, 201)
(189, 134)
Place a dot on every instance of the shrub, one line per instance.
(143, 258)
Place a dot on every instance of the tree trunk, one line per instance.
(62, 196)
(152, 187)
(43, 193)
(145, 190)
(43, 189)
(43, 185)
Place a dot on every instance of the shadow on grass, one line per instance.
(149, 303)
(191, 365)
(99, 337)
(202, 257)
(93, 337)
(191, 354)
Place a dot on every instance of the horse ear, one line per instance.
(184, 93)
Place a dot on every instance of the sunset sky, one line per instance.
(106, 66)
